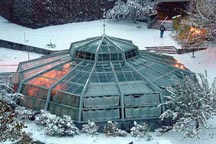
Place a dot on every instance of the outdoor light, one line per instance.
(179, 65)
(196, 31)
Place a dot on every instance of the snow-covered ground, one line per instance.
(63, 35)
(204, 60)
(9, 59)
(206, 137)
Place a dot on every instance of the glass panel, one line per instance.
(114, 56)
(37, 70)
(110, 77)
(94, 78)
(42, 81)
(129, 76)
(85, 55)
(101, 102)
(35, 91)
(73, 113)
(62, 86)
(80, 54)
(58, 73)
(36, 63)
(101, 114)
(150, 74)
(104, 48)
(78, 90)
(32, 103)
(120, 76)
(102, 77)
(72, 88)
(106, 57)
(120, 56)
(113, 48)
(100, 57)
(69, 100)
(83, 78)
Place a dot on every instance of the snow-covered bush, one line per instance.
(132, 9)
(10, 129)
(24, 113)
(140, 131)
(111, 130)
(56, 126)
(191, 103)
(90, 128)
(8, 95)
(44, 118)
(118, 11)
(62, 127)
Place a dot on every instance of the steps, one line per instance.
(162, 49)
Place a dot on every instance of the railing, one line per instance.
(151, 20)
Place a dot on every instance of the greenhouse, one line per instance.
(99, 79)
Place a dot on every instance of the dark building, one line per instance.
(170, 8)
(38, 14)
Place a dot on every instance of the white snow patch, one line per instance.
(164, 142)
(9, 59)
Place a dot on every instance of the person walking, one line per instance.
(162, 29)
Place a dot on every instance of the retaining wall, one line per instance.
(187, 50)
(22, 47)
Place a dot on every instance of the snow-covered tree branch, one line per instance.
(200, 24)
(132, 9)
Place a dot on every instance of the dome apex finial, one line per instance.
(104, 27)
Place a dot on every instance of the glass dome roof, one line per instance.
(103, 49)
(99, 79)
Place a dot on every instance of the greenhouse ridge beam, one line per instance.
(121, 92)
(82, 94)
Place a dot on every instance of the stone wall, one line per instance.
(22, 47)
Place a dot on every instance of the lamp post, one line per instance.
(196, 32)
(193, 56)
(25, 41)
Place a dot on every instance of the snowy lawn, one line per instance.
(206, 137)
(63, 35)
(9, 59)
(204, 60)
